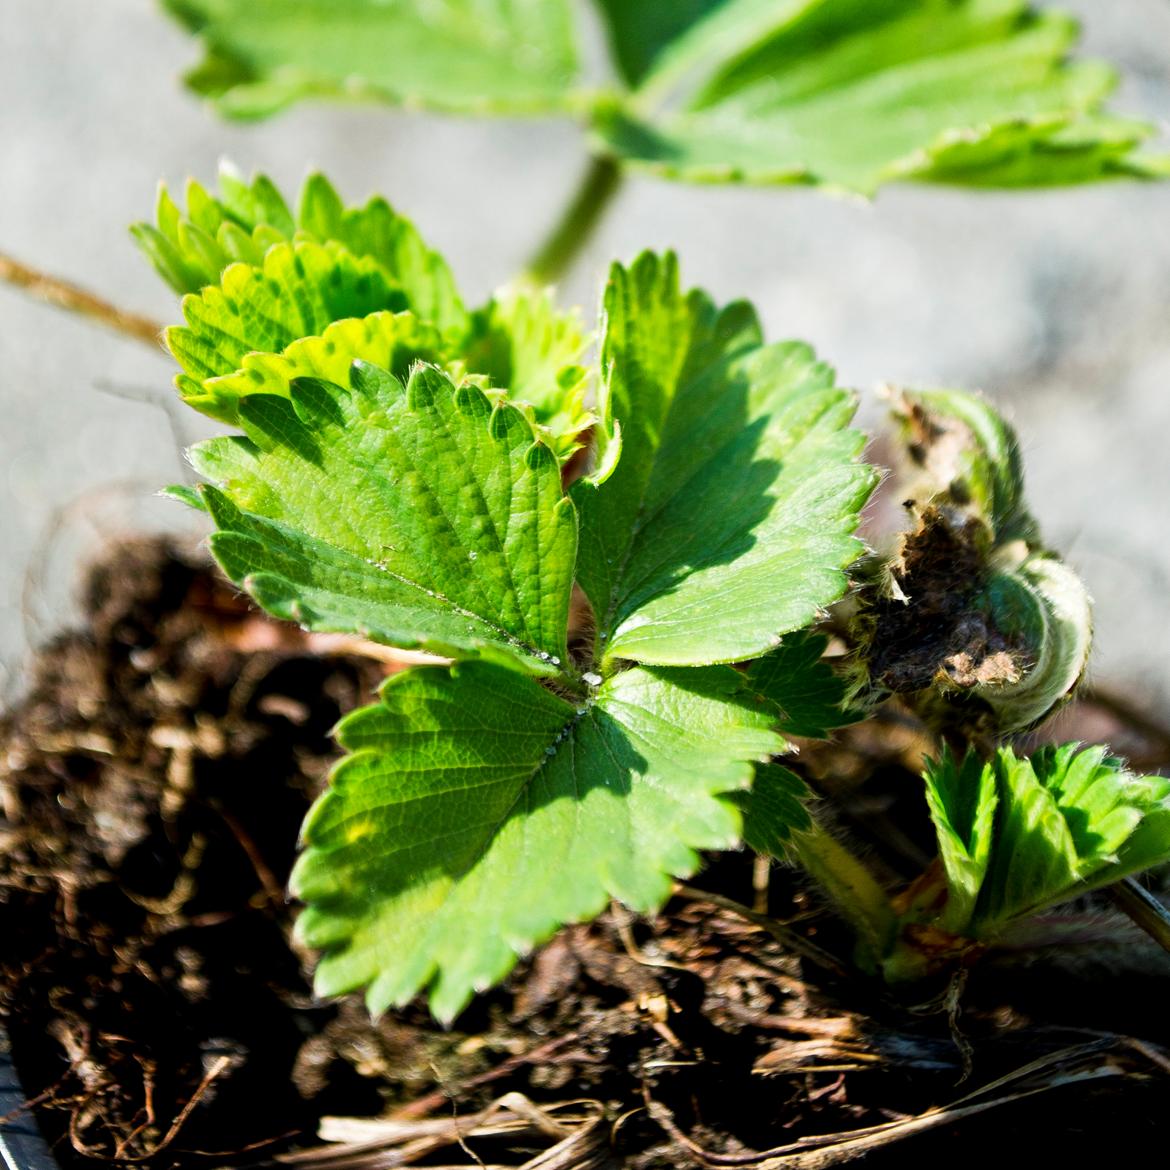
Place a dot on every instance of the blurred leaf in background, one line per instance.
(842, 94)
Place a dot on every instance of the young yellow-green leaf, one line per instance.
(190, 250)
(808, 693)
(477, 56)
(298, 292)
(1017, 835)
(850, 94)
(275, 296)
(729, 519)
(244, 219)
(391, 341)
(417, 516)
(477, 812)
(521, 341)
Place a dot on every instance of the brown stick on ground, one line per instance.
(65, 295)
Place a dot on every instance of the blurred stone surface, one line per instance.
(1055, 303)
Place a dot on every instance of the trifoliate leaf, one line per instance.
(505, 56)
(417, 516)
(808, 693)
(1017, 835)
(477, 812)
(850, 95)
(729, 518)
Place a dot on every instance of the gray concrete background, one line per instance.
(1057, 304)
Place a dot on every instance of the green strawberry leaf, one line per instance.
(810, 695)
(507, 56)
(842, 94)
(851, 95)
(773, 809)
(477, 812)
(729, 519)
(1017, 835)
(417, 516)
(640, 32)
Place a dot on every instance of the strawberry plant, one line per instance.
(628, 554)
(621, 567)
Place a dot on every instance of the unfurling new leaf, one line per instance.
(973, 620)
(1017, 835)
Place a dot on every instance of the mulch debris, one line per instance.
(160, 1014)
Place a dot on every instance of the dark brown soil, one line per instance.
(152, 785)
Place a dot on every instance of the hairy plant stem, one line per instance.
(54, 291)
(854, 891)
(553, 258)
(1143, 909)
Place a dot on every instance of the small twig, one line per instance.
(761, 883)
(217, 1068)
(781, 933)
(55, 291)
(622, 919)
(273, 890)
(147, 1108)
(1066, 1067)
(1143, 909)
(421, 1106)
